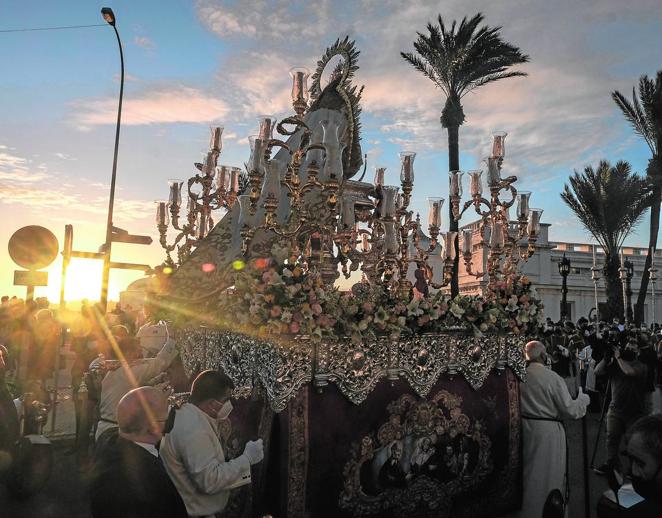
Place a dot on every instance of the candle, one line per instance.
(455, 179)
(379, 176)
(493, 172)
(523, 205)
(467, 238)
(256, 161)
(162, 213)
(476, 183)
(434, 213)
(215, 142)
(192, 205)
(594, 263)
(271, 185)
(407, 166)
(499, 144)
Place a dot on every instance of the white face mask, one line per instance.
(225, 410)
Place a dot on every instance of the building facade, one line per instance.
(542, 269)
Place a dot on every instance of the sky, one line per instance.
(192, 64)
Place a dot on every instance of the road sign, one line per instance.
(33, 247)
(131, 238)
(30, 278)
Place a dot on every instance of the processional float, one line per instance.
(389, 399)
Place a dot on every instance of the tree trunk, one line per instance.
(613, 286)
(639, 316)
(454, 165)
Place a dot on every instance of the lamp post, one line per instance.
(564, 270)
(629, 273)
(653, 278)
(595, 276)
(109, 16)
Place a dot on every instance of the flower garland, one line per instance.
(281, 296)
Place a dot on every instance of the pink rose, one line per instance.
(276, 311)
(317, 308)
(294, 327)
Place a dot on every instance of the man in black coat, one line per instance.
(129, 480)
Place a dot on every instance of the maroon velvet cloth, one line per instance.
(455, 453)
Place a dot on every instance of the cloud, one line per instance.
(560, 116)
(144, 42)
(172, 104)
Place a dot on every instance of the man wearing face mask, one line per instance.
(628, 376)
(128, 480)
(192, 452)
(644, 467)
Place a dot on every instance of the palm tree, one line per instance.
(458, 60)
(609, 202)
(644, 113)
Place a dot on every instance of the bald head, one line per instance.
(141, 414)
(535, 351)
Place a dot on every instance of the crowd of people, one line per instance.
(614, 367)
(155, 459)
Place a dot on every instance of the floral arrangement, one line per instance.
(281, 296)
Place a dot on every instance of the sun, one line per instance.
(83, 279)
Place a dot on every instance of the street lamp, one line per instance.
(109, 16)
(564, 270)
(595, 276)
(653, 278)
(629, 273)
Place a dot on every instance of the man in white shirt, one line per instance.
(545, 402)
(192, 451)
(132, 372)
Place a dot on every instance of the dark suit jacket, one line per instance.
(130, 482)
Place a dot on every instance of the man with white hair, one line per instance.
(545, 401)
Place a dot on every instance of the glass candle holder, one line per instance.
(175, 198)
(387, 205)
(496, 235)
(499, 144)
(235, 174)
(379, 176)
(215, 142)
(390, 237)
(523, 205)
(407, 166)
(162, 217)
(467, 241)
(455, 183)
(533, 227)
(434, 211)
(300, 77)
(266, 125)
(222, 172)
(476, 182)
(448, 251)
(493, 172)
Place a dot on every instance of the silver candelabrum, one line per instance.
(212, 188)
